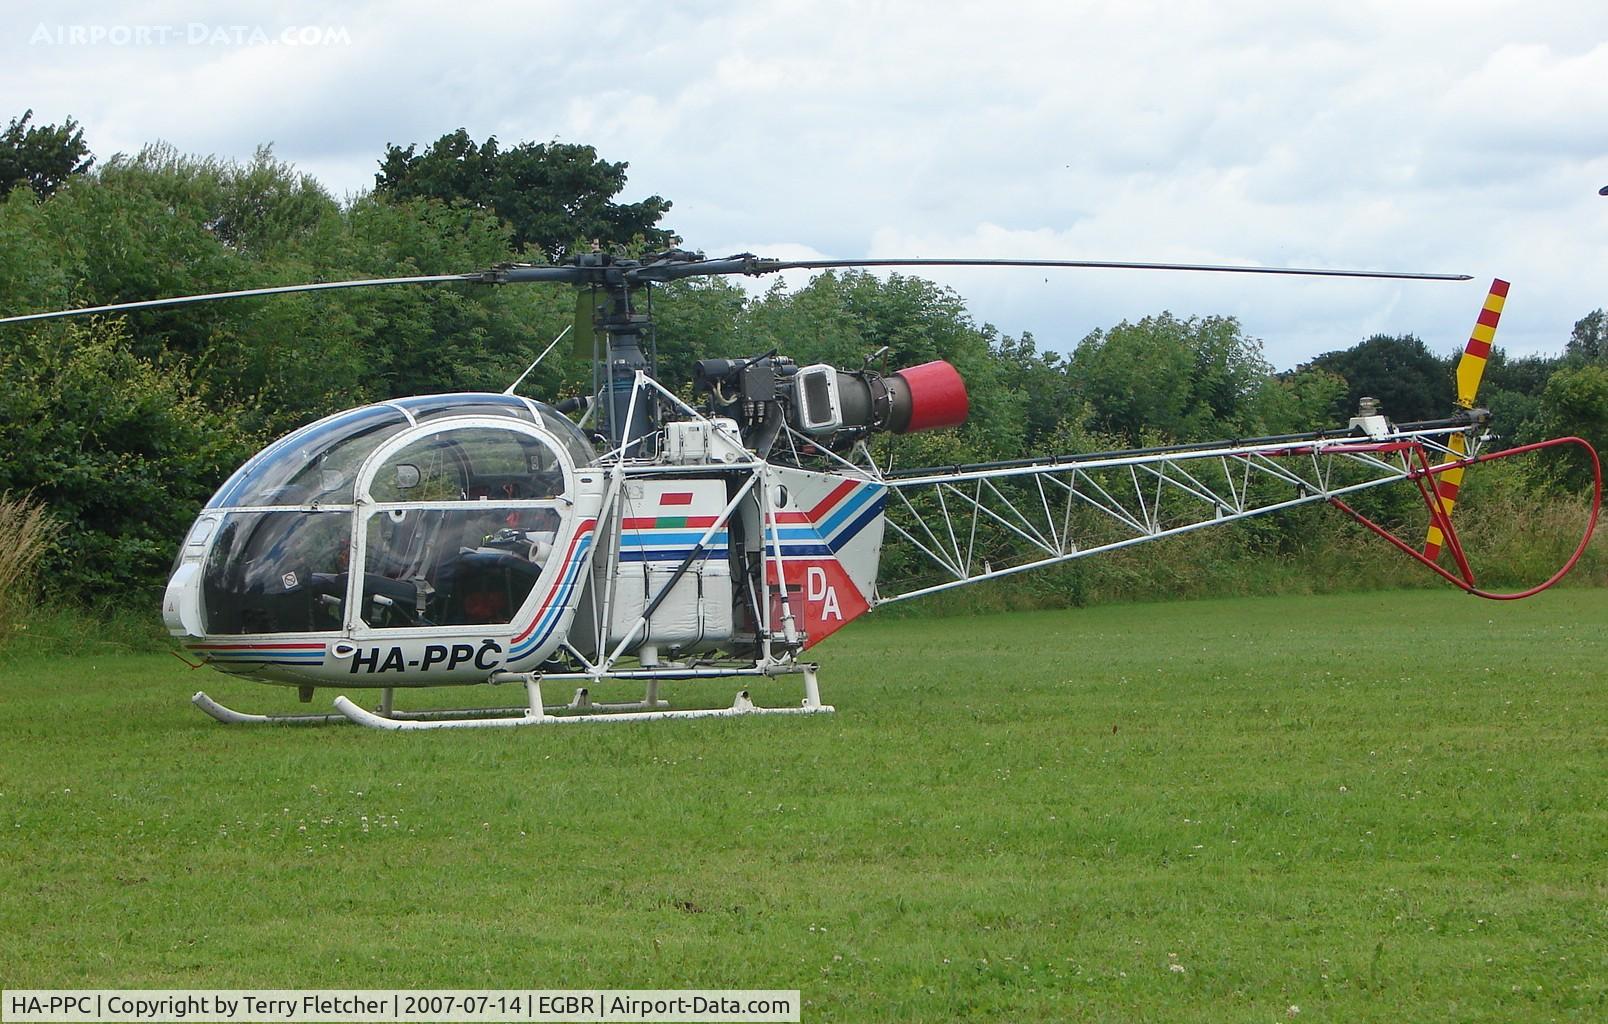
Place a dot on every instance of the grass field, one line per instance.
(1387, 807)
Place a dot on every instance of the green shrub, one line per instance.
(26, 533)
(119, 449)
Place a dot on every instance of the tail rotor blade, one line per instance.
(1470, 368)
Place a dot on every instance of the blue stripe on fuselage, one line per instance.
(669, 554)
(859, 524)
(661, 539)
(848, 508)
(556, 605)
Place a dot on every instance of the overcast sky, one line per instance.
(1460, 137)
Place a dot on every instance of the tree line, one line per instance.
(124, 425)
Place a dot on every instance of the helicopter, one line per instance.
(635, 534)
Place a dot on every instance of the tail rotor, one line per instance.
(1470, 368)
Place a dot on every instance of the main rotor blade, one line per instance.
(687, 265)
(185, 300)
(769, 266)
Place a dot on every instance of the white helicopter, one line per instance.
(487, 538)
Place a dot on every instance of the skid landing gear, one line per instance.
(581, 708)
(229, 716)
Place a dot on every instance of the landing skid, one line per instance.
(229, 716)
(581, 708)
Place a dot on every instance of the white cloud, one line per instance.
(1435, 136)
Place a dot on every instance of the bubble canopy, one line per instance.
(319, 463)
(440, 511)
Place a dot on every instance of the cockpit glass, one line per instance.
(317, 464)
(429, 407)
(277, 572)
(470, 464)
(563, 428)
(287, 570)
(474, 565)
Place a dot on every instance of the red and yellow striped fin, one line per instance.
(1447, 485)
(1472, 366)
(1470, 369)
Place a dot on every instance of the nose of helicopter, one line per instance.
(181, 602)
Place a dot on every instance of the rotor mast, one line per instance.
(630, 409)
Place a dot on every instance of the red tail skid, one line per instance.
(1439, 515)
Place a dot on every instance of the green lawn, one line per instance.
(1386, 807)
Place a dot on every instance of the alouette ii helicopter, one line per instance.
(633, 534)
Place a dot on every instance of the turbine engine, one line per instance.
(835, 407)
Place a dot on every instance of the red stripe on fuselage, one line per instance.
(255, 647)
(651, 523)
(832, 499)
(585, 528)
(821, 509)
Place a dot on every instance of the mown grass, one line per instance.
(1381, 807)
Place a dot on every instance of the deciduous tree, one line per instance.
(551, 194)
(1410, 381)
(43, 156)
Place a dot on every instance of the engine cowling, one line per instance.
(929, 396)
